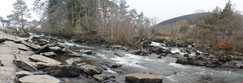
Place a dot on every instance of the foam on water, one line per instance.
(172, 78)
(156, 44)
(178, 65)
(128, 62)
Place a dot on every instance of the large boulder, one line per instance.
(26, 65)
(143, 78)
(63, 71)
(46, 60)
(39, 79)
(89, 69)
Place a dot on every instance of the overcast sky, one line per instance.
(161, 9)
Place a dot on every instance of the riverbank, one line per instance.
(45, 57)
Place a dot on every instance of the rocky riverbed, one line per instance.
(46, 59)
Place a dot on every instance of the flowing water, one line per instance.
(165, 67)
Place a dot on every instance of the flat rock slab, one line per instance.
(49, 61)
(21, 74)
(143, 78)
(39, 79)
(25, 65)
(63, 71)
(49, 54)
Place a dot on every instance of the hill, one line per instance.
(191, 19)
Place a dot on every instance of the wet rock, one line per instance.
(140, 52)
(119, 47)
(241, 67)
(225, 58)
(42, 65)
(21, 74)
(73, 61)
(230, 65)
(63, 71)
(89, 69)
(103, 77)
(236, 57)
(159, 50)
(26, 65)
(143, 78)
(71, 53)
(186, 55)
(197, 53)
(86, 51)
(49, 54)
(55, 48)
(45, 60)
(188, 51)
(117, 54)
(39, 79)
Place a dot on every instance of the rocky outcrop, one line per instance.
(39, 79)
(63, 71)
(26, 65)
(143, 78)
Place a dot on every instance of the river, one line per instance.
(165, 66)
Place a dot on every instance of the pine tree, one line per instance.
(20, 13)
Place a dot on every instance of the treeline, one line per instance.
(111, 20)
(222, 29)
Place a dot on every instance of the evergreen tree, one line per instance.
(20, 13)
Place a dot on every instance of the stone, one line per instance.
(230, 65)
(63, 71)
(119, 47)
(26, 65)
(39, 79)
(21, 74)
(42, 65)
(31, 45)
(55, 48)
(48, 61)
(103, 77)
(49, 54)
(143, 78)
(140, 52)
(90, 69)
(86, 51)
